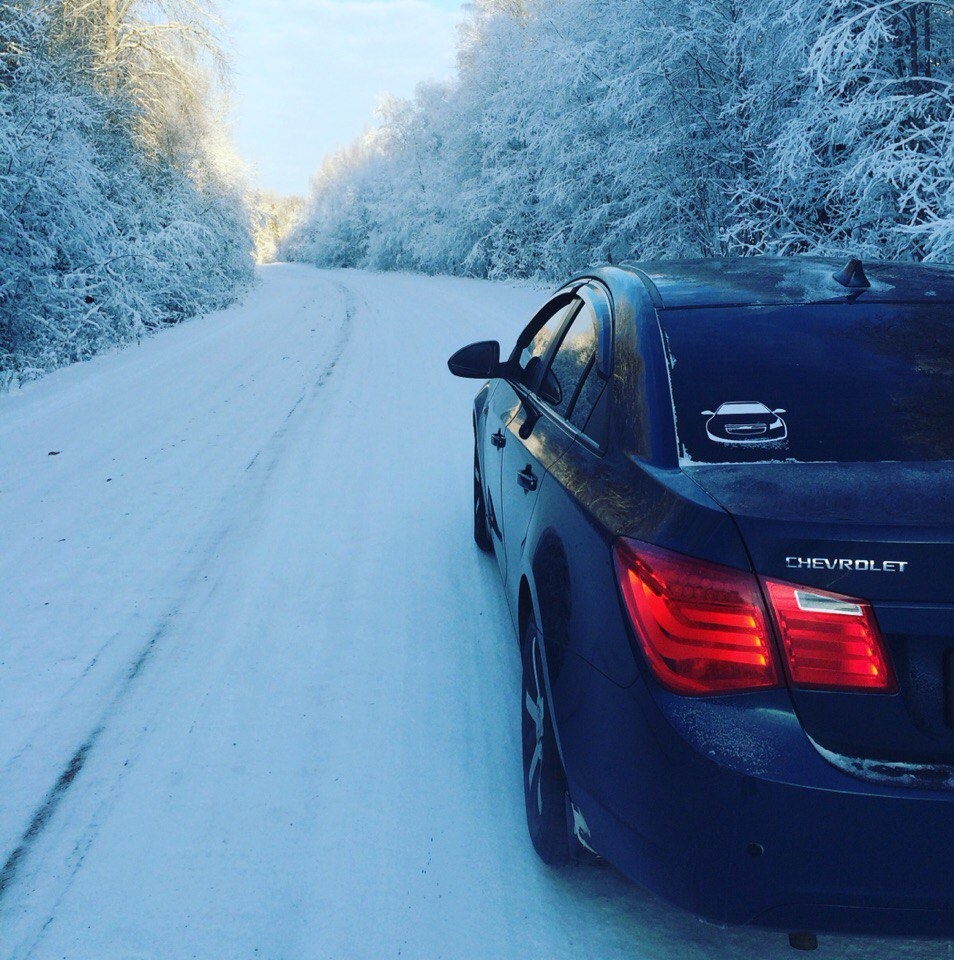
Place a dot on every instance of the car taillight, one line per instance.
(702, 627)
(829, 642)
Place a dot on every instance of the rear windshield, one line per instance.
(846, 382)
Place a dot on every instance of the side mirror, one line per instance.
(777, 412)
(708, 413)
(479, 361)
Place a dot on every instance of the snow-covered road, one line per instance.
(258, 690)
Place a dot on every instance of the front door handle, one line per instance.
(527, 478)
(498, 440)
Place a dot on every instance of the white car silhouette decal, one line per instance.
(745, 421)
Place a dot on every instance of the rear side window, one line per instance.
(573, 361)
(820, 383)
(590, 391)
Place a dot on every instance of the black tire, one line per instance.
(481, 528)
(544, 783)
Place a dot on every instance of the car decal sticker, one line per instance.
(746, 422)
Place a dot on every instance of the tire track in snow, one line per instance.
(74, 766)
(45, 812)
(53, 799)
(310, 393)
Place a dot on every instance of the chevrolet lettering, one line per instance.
(859, 566)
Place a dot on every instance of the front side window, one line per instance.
(532, 355)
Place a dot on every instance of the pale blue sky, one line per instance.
(309, 73)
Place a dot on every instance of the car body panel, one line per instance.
(767, 281)
(786, 807)
(881, 533)
(491, 418)
(526, 458)
(877, 531)
(732, 814)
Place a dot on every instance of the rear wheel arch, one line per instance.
(524, 605)
(547, 601)
(551, 579)
(530, 604)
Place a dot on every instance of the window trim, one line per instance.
(600, 299)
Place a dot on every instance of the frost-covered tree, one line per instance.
(103, 236)
(152, 54)
(272, 217)
(602, 130)
(868, 159)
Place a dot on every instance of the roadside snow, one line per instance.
(258, 690)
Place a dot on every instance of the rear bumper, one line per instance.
(732, 814)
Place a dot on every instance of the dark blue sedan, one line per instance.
(721, 497)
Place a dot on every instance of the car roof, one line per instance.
(757, 281)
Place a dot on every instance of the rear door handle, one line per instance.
(498, 440)
(527, 478)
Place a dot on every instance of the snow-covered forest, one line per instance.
(119, 210)
(603, 130)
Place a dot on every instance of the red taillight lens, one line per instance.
(830, 642)
(702, 626)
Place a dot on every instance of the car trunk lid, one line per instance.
(882, 533)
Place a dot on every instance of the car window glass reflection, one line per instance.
(532, 355)
(577, 353)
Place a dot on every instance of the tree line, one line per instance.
(119, 208)
(608, 130)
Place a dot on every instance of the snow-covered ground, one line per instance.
(258, 689)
